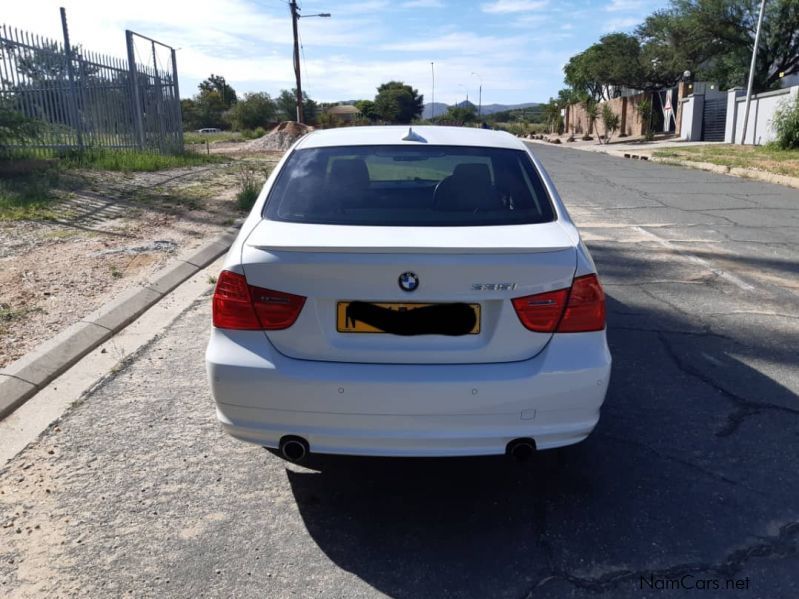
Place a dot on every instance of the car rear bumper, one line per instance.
(406, 409)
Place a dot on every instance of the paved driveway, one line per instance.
(691, 478)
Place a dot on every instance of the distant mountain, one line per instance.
(492, 108)
(441, 108)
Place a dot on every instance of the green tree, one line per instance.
(715, 38)
(254, 110)
(461, 113)
(208, 107)
(367, 109)
(397, 102)
(618, 60)
(216, 84)
(190, 113)
(286, 104)
(15, 127)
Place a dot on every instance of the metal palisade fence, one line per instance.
(81, 99)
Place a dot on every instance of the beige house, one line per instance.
(344, 112)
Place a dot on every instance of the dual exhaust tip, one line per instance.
(295, 449)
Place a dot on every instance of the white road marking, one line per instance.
(665, 243)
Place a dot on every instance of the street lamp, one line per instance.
(480, 96)
(296, 16)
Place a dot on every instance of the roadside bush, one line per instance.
(253, 133)
(786, 124)
(645, 110)
(249, 187)
(611, 121)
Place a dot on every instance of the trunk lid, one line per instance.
(329, 264)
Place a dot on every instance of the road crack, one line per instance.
(783, 544)
(744, 407)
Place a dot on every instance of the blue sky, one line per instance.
(516, 47)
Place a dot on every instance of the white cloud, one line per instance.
(422, 4)
(621, 24)
(511, 6)
(625, 5)
(460, 42)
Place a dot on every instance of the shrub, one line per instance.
(610, 120)
(249, 186)
(786, 125)
(645, 110)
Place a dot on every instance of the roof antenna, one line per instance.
(414, 136)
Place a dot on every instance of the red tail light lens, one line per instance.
(240, 306)
(541, 312)
(586, 308)
(576, 310)
(276, 310)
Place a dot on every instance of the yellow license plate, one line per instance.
(349, 322)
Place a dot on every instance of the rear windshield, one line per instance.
(439, 186)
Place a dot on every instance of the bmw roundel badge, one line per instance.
(408, 281)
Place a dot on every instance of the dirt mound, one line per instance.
(281, 137)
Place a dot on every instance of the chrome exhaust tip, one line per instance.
(293, 449)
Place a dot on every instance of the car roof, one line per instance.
(393, 135)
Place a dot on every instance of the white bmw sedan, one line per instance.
(401, 292)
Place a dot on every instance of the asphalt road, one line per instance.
(691, 478)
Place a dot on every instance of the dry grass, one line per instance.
(763, 158)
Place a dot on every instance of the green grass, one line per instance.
(764, 158)
(134, 161)
(28, 196)
(192, 137)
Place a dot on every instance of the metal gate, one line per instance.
(80, 99)
(714, 118)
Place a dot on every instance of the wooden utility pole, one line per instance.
(295, 15)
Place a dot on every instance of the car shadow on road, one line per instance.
(679, 477)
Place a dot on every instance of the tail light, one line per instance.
(586, 308)
(576, 310)
(240, 306)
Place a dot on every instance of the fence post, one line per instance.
(179, 108)
(159, 100)
(74, 113)
(134, 90)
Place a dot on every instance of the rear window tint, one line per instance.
(438, 186)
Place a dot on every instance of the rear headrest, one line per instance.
(475, 172)
(351, 172)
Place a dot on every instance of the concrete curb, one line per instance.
(22, 379)
(733, 171)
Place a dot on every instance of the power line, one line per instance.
(304, 65)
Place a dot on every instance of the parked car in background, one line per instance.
(209, 130)
(401, 292)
